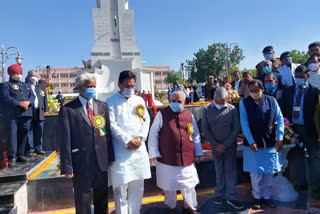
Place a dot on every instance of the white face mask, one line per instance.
(33, 79)
(313, 67)
(128, 92)
(17, 77)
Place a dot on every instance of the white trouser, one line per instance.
(189, 196)
(134, 191)
(261, 185)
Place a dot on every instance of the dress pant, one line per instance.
(134, 190)
(189, 196)
(93, 186)
(18, 131)
(3, 137)
(261, 185)
(35, 136)
(226, 172)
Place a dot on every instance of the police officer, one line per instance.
(40, 109)
(16, 100)
(268, 54)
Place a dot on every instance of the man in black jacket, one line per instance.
(271, 87)
(39, 109)
(267, 68)
(236, 83)
(298, 107)
(86, 146)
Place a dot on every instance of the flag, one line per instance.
(115, 20)
(50, 76)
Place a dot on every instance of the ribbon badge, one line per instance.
(190, 131)
(99, 122)
(140, 111)
(15, 87)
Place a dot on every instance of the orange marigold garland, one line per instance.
(154, 107)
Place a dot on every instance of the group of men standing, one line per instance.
(22, 109)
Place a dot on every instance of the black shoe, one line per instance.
(189, 211)
(236, 204)
(171, 211)
(256, 204)
(217, 200)
(269, 203)
(22, 159)
(12, 162)
(41, 152)
(29, 154)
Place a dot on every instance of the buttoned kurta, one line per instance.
(129, 165)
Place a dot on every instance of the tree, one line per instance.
(299, 57)
(252, 72)
(160, 94)
(207, 65)
(174, 77)
(52, 86)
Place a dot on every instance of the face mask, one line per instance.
(89, 93)
(216, 85)
(270, 86)
(266, 69)
(268, 56)
(17, 77)
(299, 81)
(128, 92)
(33, 79)
(176, 107)
(313, 67)
(256, 96)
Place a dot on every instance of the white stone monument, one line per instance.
(115, 49)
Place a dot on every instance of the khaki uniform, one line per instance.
(207, 91)
(276, 63)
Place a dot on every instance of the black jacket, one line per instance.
(233, 83)
(277, 74)
(81, 147)
(43, 102)
(278, 94)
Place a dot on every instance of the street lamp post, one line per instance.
(6, 55)
(184, 68)
(228, 51)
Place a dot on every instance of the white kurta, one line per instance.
(129, 165)
(173, 178)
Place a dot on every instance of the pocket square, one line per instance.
(75, 150)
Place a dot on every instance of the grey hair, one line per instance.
(221, 93)
(179, 93)
(85, 77)
(32, 71)
(268, 61)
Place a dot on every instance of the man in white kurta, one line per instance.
(171, 178)
(129, 132)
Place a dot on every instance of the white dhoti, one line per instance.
(261, 185)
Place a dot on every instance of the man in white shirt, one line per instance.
(287, 69)
(314, 71)
(130, 123)
(174, 140)
(237, 81)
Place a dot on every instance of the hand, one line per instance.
(110, 163)
(153, 160)
(253, 147)
(24, 105)
(198, 159)
(69, 175)
(46, 113)
(134, 144)
(220, 148)
(279, 145)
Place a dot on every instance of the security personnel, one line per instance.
(16, 100)
(268, 54)
(40, 109)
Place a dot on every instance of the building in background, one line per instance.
(64, 79)
(160, 74)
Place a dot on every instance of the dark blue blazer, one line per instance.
(82, 149)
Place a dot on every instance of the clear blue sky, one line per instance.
(60, 32)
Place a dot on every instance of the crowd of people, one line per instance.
(147, 97)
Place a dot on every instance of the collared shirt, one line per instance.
(300, 120)
(237, 84)
(272, 91)
(84, 104)
(214, 105)
(287, 74)
(245, 123)
(36, 101)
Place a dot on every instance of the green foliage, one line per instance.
(299, 56)
(207, 65)
(252, 72)
(159, 94)
(52, 86)
(174, 77)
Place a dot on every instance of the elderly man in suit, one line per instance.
(86, 146)
(299, 108)
(40, 109)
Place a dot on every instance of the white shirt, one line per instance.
(36, 101)
(173, 178)
(84, 104)
(125, 125)
(237, 84)
(314, 78)
(287, 74)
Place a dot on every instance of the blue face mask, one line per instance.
(266, 69)
(299, 81)
(270, 86)
(176, 107)
(90, 93)
(268, 56)
(128, 92)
